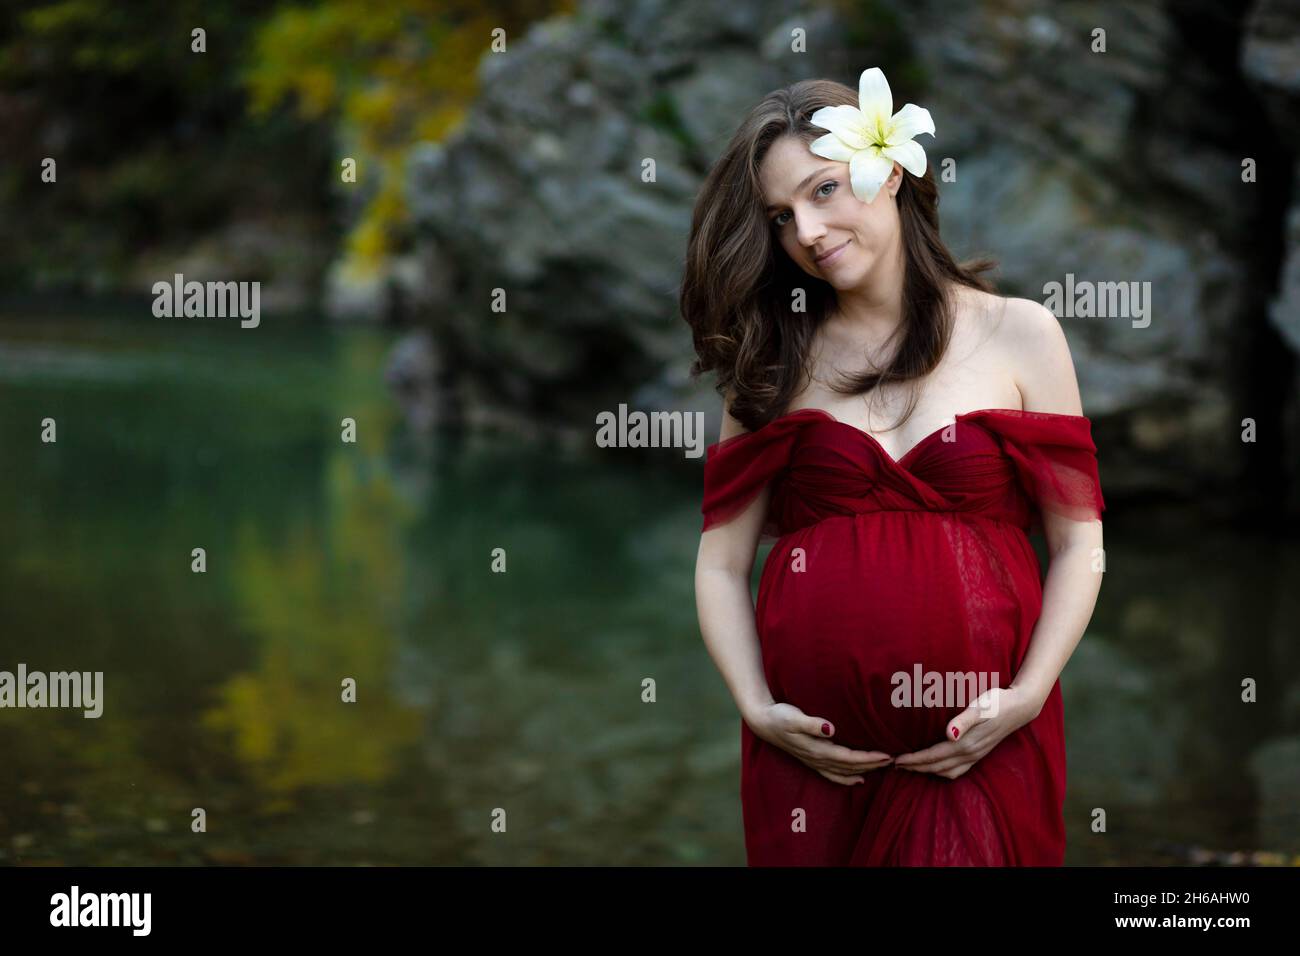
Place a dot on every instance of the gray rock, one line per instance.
(1113, 166)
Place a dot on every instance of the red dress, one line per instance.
(921, 561)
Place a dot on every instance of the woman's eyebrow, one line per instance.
(806, 180)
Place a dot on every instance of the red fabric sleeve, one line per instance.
(1055, 460)
(738, 468)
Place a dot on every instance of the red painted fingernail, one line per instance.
(826, 729)
(954, 733)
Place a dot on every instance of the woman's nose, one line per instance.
(809, 230)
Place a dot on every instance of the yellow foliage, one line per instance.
(388, 78)
(322, 612)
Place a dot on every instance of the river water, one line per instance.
(484, 696)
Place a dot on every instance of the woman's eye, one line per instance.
(778, 219)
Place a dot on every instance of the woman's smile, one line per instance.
(837, 253)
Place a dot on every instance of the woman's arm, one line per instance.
(1046, 378)
(1069, 596)
(723, 568)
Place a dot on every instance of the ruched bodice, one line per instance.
(996, 463)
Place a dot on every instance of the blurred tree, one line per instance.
(392, 76)
(153, 141)
(161, 149)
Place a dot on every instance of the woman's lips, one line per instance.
(833, 254)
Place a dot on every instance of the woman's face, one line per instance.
(822, 215)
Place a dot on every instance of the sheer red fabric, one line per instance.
(882, 567)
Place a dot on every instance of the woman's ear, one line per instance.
(895, 181)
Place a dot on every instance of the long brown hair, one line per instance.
(738, 283)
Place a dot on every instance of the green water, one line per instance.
(481, 691)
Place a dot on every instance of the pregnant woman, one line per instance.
(899, 429)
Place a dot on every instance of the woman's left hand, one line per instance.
(979, 728)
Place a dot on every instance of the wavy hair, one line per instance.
(738, 282)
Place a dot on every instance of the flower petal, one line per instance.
(867, 171)
(909, 155)
(875, 100)
(910, 121)
(846, 122)
(832, 147)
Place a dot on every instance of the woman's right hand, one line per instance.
(808, 739)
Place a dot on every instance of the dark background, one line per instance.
(521, 171)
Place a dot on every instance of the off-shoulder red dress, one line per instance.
(920, 561)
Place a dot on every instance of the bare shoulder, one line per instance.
(1037, 354)
(978, 313)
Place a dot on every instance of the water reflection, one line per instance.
(476, 690)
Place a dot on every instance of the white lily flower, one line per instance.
(869, 138)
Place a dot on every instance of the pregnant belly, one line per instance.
(890, 624)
